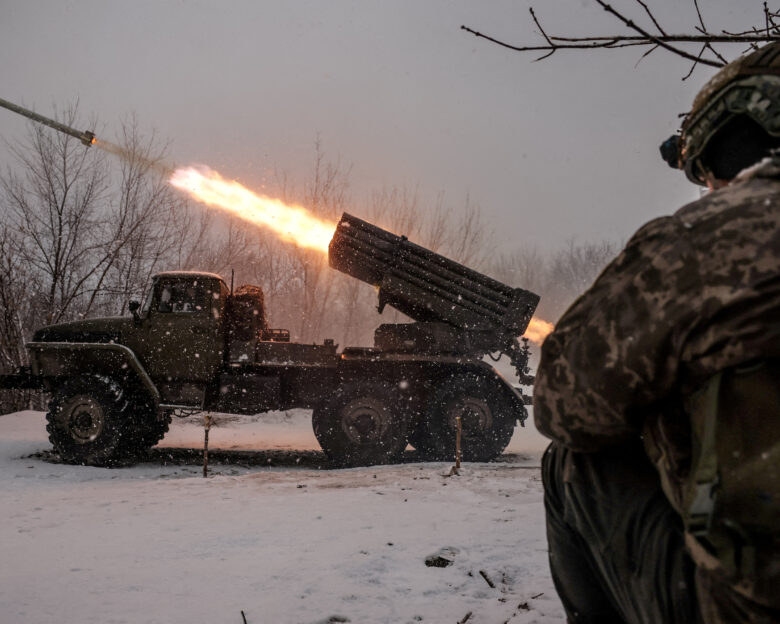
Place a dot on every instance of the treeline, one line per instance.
(82, 232)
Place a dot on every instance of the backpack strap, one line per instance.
(701, 497)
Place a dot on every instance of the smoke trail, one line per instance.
(133, 157)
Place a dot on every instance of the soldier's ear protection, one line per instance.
(670, 151)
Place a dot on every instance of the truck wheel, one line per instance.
(156, 427)
(487, 420)
(362, 425)
(85, 420)
(145, 426)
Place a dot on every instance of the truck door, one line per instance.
(185, 338)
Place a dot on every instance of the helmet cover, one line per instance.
(748, 86)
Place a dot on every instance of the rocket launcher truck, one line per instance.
(194, 345)
(197, 345)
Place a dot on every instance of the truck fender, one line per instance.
(68, 359)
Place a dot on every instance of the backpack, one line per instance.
(728, 495)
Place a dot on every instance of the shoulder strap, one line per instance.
(699, 503)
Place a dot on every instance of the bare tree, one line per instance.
(469, 240)
(193, 232)
(270, 264)
(80, 238)
(143, 220)
(573, 269)
(651, 36)
(325, 195)
(18, 294)
(224, 244)
(54, 204)
(18, 287)
(525, 267)
(558, 276)
(93, 234)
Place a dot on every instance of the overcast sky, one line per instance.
(566, 147)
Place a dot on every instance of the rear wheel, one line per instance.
(86, 420)
(361, 425)
(487, 420)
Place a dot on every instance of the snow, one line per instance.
(284, 543)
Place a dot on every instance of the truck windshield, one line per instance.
(182, 297)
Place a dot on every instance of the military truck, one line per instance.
(196, 345)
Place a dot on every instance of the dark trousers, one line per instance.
(616, 545)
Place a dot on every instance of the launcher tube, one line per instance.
(425, 285)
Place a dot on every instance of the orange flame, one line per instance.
(293, 224)
(538, 330)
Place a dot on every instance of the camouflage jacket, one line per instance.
(690, 295)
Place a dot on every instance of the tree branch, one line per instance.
(769, 31)
(701, 20)
(695, 63)
(630, 24)
(652, 17)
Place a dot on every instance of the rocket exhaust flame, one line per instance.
(538, 330)
(291, 223)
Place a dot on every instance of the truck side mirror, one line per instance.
(133, 306)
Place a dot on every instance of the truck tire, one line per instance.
(86, 420)
(487, 420)
(361, 425)
(144, 428)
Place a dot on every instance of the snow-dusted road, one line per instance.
(284, 544)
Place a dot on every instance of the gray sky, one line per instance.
(566, 147)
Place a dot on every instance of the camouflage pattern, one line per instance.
(690, 295)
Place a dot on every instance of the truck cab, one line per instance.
(179, 334)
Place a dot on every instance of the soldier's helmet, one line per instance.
(748, 87)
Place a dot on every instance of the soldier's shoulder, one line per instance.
(658, 231)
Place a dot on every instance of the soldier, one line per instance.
(659, 388)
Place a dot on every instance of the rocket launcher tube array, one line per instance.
(426, 286)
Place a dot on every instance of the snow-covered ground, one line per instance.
(275, 537)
